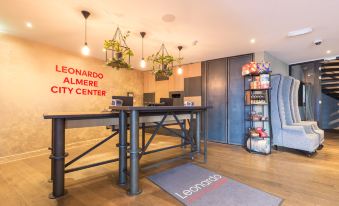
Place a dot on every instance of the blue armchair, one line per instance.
(286, 134)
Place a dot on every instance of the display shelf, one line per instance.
(260, 137)
(256, 104)
(258, 89)
(257, 120)
(257, 144)
(255, 75)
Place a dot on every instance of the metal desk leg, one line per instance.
(184, 132)
(58, 158)
(122, 148)
(134, 154)
(183, 140)
(205, 136)
(52, 162)
(198, 127)
(143, 137)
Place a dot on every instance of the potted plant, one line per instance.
(162, 62)
(121, 53)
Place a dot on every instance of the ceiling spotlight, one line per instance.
(85, 49)
(168, 18)
(29, 25)
(104, 50)
(252, 41)
(300, 32)
(328, 52)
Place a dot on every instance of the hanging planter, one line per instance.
(162, 62)
(118, 54)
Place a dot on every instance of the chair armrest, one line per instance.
(298, 130)
(307, 127)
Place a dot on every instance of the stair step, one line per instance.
(329, 80)
(330, 87)
(329, 70)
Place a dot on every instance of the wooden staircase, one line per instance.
(330, 78)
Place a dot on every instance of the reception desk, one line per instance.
(123, 118)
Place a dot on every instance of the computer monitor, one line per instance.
(127, 101)
(166, 101)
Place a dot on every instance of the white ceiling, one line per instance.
(221, 27)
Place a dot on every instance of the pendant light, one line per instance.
(142, 62)
(85, 49)
(179, 70)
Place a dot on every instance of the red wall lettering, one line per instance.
(91, 80)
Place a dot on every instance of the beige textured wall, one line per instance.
(27, 71)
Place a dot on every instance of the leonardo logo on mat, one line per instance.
(197, 190)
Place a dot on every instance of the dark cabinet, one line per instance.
(222, 88)
(216, 97)
(235, 126)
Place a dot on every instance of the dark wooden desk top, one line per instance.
(79, 115)
(115, 113)
(158, 108)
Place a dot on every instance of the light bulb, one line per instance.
(85, 50)
(179, 71)
(29, 25)
(143, 63)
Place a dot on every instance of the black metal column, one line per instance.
(205, 136)
(122, 148)
(52, 162)
(198, 127)
(58, 158)
(183, 133)
(143, 137)
(134, 154)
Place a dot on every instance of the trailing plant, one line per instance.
(162, 62)
(121, 53)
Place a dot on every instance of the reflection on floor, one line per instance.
(299, 180)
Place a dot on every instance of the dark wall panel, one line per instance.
(149, 98)
(236, 99)
(192, 86)
(216, 92)
(222, 88)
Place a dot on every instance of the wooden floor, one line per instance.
(297, 179)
